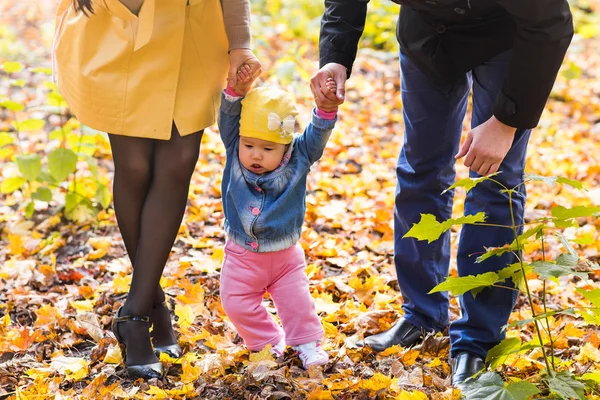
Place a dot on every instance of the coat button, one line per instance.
(255, 211)
(254, 245)
(440, 28)
(459, 10)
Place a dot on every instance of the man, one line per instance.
(509, 52)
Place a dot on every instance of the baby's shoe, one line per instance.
(279, 349)
(311, 354)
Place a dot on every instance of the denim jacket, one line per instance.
(264, 213)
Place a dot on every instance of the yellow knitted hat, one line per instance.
(268, 114)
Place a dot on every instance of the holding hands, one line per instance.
(244, 68)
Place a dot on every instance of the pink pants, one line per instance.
(246, 276)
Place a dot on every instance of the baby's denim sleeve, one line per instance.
(229, 119)
(313, 140)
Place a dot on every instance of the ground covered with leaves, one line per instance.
(64, 272)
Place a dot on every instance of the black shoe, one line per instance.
(144, 371)
(403, 333)
(464, 366)
(173, 350)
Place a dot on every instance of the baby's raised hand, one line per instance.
(330, 85)
(245, 76)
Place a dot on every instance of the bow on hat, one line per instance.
(286, 125)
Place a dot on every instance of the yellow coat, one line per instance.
(134, 75)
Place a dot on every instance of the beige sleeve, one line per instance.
(236, 14)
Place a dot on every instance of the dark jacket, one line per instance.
(447, 38)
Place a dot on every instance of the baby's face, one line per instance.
(260, 156)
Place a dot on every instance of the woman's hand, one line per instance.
(244, 68)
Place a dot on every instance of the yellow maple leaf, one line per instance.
(376, 382)
(4, 322)
(410, 357)
(320, 394)
(82, 305)
(191, 371)
(391, 351)
(121, 284)
(46, 315)
(113, 355)
(157, 392)
(218, 255)
(185, 315)
(16, 244)
(588, 352)
(264, 354)
(416, 395)
(35, 373)
(74, 368)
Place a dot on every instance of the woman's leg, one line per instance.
(133, 173)
(172, 167)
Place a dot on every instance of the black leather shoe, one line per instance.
(464, 366)
(144, 371)
(403, 333)
(161, 314)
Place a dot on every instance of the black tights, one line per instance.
(151, 185)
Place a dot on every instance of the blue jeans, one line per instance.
(433, 118)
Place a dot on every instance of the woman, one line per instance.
(149, 73)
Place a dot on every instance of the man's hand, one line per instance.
(326, 99)
(243, 60)
(486, 146)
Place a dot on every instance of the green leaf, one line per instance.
(71, 201)
(29, 210)
(29, 125)
(61, 163)
(567, 260)
(46, 177)
(428, 228)
(463, 284)
(498, 354)
(12, 67)
(42, 194)
(83, 212)
(547, 270)
(584, 240)
(572, 72)
(561, 212)
(523, 238)
(592, 376)
(515, 273)
(490, 386)
(5, 139)
(566, 244)
(30, 165)
(92, 164)
(12, 105)
(593, 296)
(12, 184)
(523, 322)
(469, 183)
(496, 251)
(565, 385)
(42, 70)
(103, 196)
(571, 182)
(591, 315)
(522, 390)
